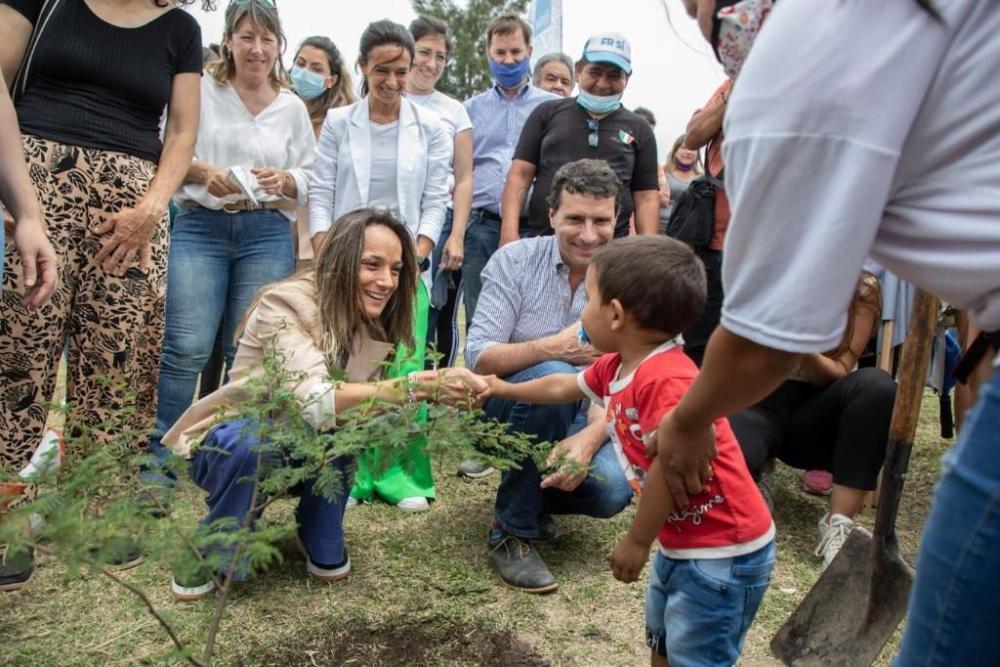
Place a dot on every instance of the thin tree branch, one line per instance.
(152, 610)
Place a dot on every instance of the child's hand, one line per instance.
(628, 559)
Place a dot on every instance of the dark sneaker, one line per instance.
(547, 528)
(119, 555)
(194, 587)
(520, 566)
(16, 570)
(326, 571)
(154, 502)
(474, 469)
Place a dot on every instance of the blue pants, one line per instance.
(442, 323)
(520, 499)
(218, 262)
(482, 238)
(955, 601)
(225, 465)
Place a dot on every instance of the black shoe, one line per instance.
(547, 529)
(153, 503)
(16, 570)
(520, 566)
(120, 554)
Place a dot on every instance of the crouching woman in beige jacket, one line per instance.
(348, 313)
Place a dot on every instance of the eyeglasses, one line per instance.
(593, 126)
(428, 54)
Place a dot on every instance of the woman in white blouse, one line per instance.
(385, 151)
(233, 231)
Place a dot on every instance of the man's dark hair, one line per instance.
(507, 24)
(424, 26)
(646, 114)
(658, 280)
(585, 177)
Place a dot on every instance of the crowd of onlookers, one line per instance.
(371, 215)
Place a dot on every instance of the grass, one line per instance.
(421, 591)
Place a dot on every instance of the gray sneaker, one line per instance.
(520, 566)
(474, 469)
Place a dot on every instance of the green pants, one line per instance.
(408, 475)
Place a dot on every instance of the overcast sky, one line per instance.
(674, 70)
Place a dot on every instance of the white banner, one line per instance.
(546, 22)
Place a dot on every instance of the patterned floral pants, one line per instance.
(110, 327)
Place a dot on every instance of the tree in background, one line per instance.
(468, 72)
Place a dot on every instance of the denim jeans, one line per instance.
(442, 323)
(225, 467)
(520, 499)
(218, 262)
(955, 603)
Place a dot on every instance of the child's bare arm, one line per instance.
(655, 505)
(551, 389)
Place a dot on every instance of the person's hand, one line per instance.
(628, 558)
(272, 181)
(508, 236)
(572, 456)
(454, 252)
(39, 264)
(686, 456)
(218, 183)
(566, 346)
(460, 386)
(130, 230)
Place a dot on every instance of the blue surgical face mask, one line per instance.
(599, 104)
(512, 75)
(308, 85)
(582, 336)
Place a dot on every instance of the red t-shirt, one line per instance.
(730, 518)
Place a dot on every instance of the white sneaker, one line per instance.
(351, 502)
(833, 531)
(414, 504)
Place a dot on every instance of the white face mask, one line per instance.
(734, 28)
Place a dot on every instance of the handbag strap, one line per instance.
(718, 180)
(22, 77)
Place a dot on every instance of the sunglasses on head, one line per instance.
(244, 3)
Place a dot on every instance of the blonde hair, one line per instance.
(264, 17)
(669, 164)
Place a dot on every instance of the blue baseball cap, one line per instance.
(609, 47)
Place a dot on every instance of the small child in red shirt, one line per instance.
(716, 555)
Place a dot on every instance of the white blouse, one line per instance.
(280, 136)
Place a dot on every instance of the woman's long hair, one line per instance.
(338, 293)
(264, 17)
(867, 295)
(341, 94)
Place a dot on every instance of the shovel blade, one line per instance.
(848, 616)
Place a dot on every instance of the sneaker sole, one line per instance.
(815, 491)
(185, 594)
(127, 565)
(320, 574)
(544, 589)
(476, 475)
(8, 588)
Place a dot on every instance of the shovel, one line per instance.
(856, 604)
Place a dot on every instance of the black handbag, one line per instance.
(692, 219)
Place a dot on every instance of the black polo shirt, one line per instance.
(556, 133)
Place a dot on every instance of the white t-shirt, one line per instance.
(857, 128)
(453, 115)
(385, 145)
(229, 136)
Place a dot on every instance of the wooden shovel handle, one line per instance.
(905, 414)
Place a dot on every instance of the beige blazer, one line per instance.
(286, 318)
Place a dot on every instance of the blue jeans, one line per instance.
(442, 323)
(520, 499)
(225, 466)
(698, 610)
(218, 262)
(955, 603)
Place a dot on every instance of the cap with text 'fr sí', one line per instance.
(609, 47)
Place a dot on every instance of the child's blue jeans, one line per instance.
(698, 611)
